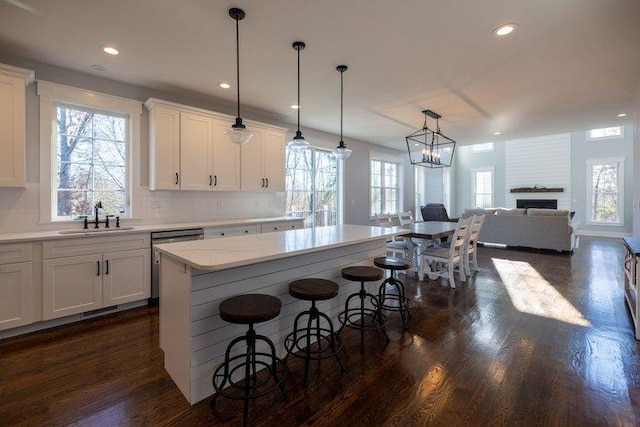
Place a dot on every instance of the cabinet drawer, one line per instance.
(94, 245)
(282, 226)
(212, 233)
(15, 252)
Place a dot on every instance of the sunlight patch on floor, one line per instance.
(530, 293)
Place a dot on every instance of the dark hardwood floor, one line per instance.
(534, 339)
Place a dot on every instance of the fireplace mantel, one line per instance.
(537, 189)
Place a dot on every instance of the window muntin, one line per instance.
(483, 188)
(312, 187)
(605, 133)
(605, 191)
(92, 154)
(384, 189)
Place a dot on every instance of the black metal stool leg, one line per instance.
(363, 295)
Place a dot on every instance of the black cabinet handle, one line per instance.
(176, 178)
(267, 181)
(215, 180)
(222, 234)
(107, 267)
(210, 180)
(98, 269)
(246, 231)
(262, 182)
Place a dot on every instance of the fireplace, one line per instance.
(537, 203)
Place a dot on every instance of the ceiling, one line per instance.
(570, 65)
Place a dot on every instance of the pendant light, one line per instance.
(298, 142)
(341, 152)
(238, 134)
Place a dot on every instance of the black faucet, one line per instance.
(97, 209)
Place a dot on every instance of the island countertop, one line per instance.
(237, 251)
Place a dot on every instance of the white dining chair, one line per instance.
(449, 259)
(395, 245)
(471, 250)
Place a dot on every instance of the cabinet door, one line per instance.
(252, 178)
(71, 285)
(273, 151)
(16, 295)
(196, 133)
(126, 276)
(226, 159)
(164, 148)
(12, 131)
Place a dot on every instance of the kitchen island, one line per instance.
(197, 275)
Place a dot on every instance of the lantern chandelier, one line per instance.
(429, 147)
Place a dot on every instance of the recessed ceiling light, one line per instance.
(496, 133)
(224, 85)
(505, 29)
(110, 50)
(622, 115)
(295, 106)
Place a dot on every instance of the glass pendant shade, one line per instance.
(238, 134)
(342, 152)
(298, 143)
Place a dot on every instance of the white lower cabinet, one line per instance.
(16, 295)
(79, 283)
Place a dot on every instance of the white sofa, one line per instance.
(530, 228)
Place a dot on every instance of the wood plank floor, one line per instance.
(533, 339)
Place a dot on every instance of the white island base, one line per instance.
(196, 276)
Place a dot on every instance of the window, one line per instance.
(482, 187)
(92, 153)
(605, 191)
(385, 191)
(605, 133)
(312, 187)
(479, 148)
(90, 162)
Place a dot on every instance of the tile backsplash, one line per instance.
(19, 207)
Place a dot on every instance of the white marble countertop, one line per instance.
(237, 251)
(133, 228)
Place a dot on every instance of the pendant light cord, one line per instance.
(298, 49)
(341, 102)
(238, 63)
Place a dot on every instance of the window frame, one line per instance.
(390, 159)
(50, 96)
(473, 184)
(619, 161)
(488, 147)
(602, 138)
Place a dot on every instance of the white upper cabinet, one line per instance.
(190, 151)
(12, 124)
(263, 161)
(164, 148)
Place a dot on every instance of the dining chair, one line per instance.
(449, 258)
(405, 218)
(395, 245)
(471, 250)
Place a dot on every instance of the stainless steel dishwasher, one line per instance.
(160, 237)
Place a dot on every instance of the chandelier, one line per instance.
(429, 147)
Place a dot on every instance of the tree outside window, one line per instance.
(605, 191)
(384, 187)
(90, 162)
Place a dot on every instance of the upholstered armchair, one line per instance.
(436, 212)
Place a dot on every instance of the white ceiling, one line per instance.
(571, 64)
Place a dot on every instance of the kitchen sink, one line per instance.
(96, 230)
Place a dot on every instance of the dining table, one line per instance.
(420, 235)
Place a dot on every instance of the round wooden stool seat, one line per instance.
(250, 308)
(391, 263)
(312, 289)
(362, 273)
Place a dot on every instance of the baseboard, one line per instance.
(612, 234)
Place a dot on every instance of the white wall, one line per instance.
(636, 161)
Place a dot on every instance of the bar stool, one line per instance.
(299, 342)
(393, 301)
(248, 310)
(360, 317)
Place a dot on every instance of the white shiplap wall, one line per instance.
(542, 161)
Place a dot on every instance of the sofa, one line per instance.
(530, 228)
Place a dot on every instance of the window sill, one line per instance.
(607, 224)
